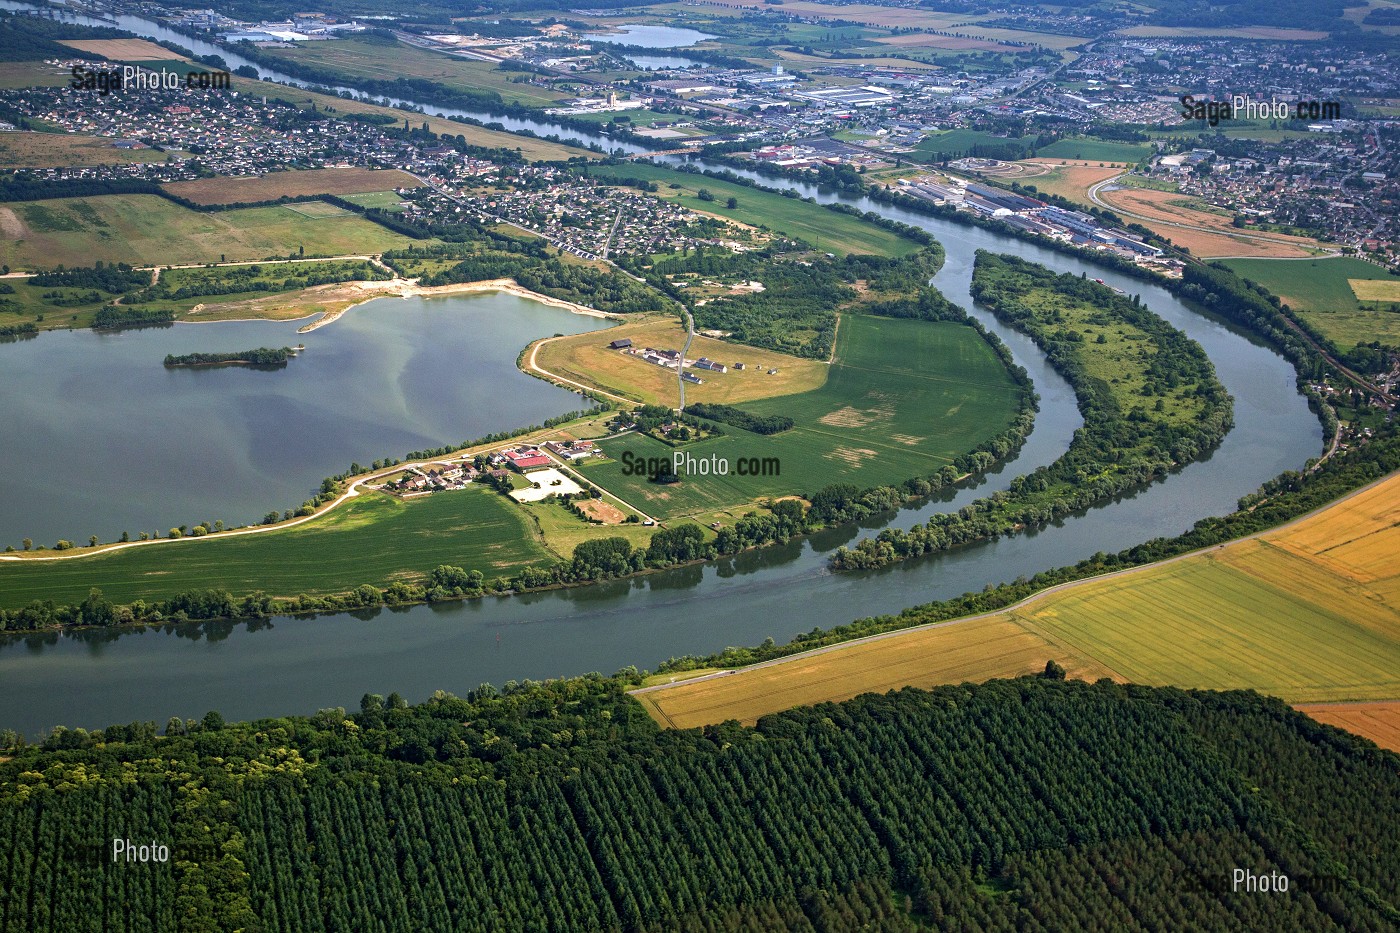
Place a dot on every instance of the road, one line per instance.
(1093, 193)
(532, 365)
(1029, 600)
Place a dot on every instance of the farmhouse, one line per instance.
(523, 459)
(621, 344)
(711, 365)
(572, 450)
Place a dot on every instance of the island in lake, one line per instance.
(262, 356)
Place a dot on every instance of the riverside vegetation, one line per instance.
(264, 357)
(1148, 393)
(1037, 803)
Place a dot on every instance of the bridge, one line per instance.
(684, 150)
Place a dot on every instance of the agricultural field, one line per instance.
(274, 185)
(975, 650)
(955, 144)
(32, 74)
(1198, 227)
(586, 358)
(561, 531)
(1068, 179)
(55, 150)
(823, 229)
(1309, 612)
(374, 538)
(121, 50)
(903, 398)
(1325, 293)
(138, 228)
(1379, 722)
(388, 61)
(1095, 150)
(532, 149)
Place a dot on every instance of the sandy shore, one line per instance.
(409, 288)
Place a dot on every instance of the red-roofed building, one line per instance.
(527, 458)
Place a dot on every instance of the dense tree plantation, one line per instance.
(1030, 804)
(1148, 393)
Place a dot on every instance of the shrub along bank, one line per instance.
(1127, 439)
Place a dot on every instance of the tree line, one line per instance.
(262, 356)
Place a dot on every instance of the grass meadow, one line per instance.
(270, 187)
(137, 228)
(903, 399)
(374, 538)
(1320, 290)
(368, 58)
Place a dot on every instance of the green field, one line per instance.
(1095, 150)
(375, 59)
(384, 200)
(954, 144)
(903, 399)
(1317, 289)
(824, 229)
(372, 539)
(144, 228)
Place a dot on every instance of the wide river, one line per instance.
(286, 666)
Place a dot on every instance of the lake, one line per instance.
(102, 438)
(651, 37)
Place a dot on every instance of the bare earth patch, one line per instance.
(604, 512)
(11, 226)
(854, 456)
(847, 417)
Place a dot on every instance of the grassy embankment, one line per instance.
(1321, 292)
(902, 399)
(823, 229)
(1309, 612)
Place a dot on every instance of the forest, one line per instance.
(1035, 804)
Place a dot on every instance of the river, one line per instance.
(285, 666)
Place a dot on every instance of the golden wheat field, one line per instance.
(1309, 612)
